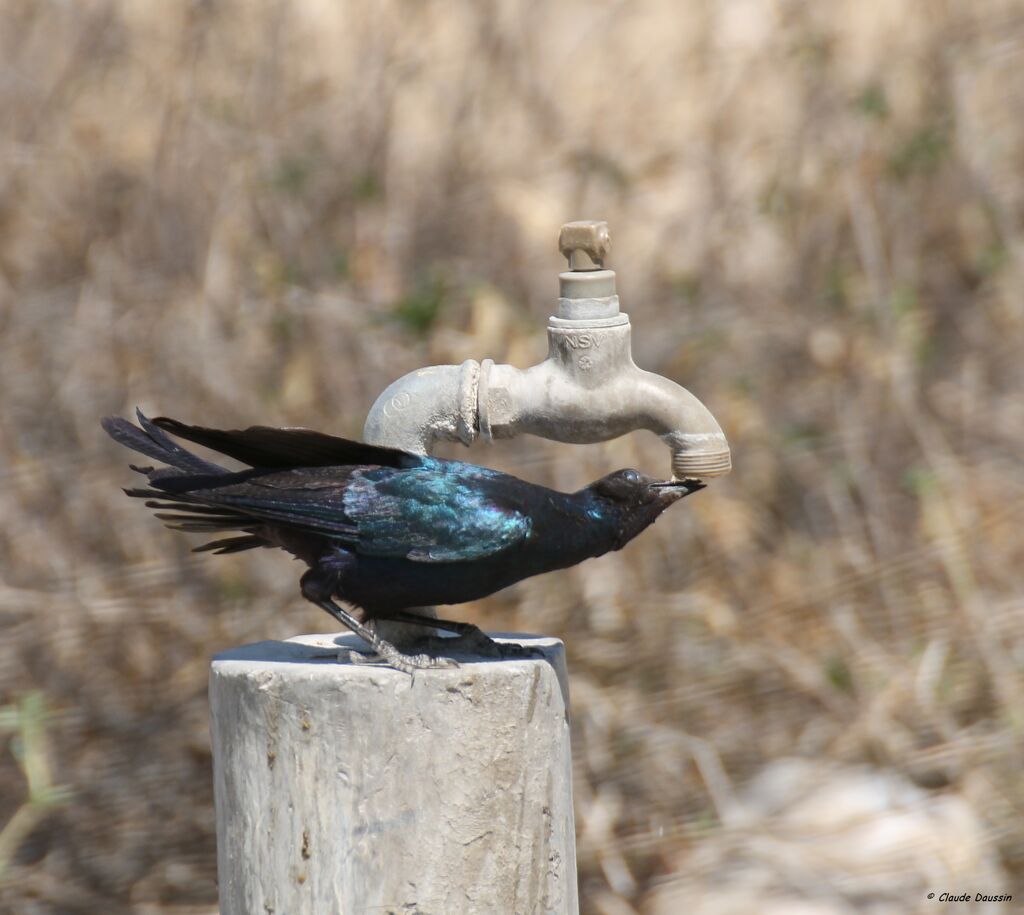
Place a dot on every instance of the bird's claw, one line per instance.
(406, 663)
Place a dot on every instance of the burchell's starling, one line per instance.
(381, 529)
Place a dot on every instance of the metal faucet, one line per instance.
(587, 390)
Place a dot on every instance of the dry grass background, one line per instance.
(239, 212)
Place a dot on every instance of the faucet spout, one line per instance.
(587, 390)
(698, 445)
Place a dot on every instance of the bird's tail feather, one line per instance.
(231, 545)
(185, 471)
(153, 442)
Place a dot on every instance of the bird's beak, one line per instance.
(685, 487)
(672, 490)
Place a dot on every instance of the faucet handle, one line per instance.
(585, 243)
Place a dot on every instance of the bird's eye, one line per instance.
(631, 476)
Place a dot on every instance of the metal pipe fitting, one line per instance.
(588, 389)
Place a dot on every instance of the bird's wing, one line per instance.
(263, 446)
(440, 512)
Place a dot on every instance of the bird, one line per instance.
(383, 530)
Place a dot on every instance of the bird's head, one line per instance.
(635, 500)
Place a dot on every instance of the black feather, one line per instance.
(153, 443)
(232, 520)
(262, 446)
(204, 526)
(231, 545)
(175, 455)
(188, 507)
(179, 485)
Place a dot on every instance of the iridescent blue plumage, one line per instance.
(438, 512)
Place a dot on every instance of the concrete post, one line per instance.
(351, 789)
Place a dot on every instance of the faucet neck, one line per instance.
(589, 337)
(587, 295)
(591, 352)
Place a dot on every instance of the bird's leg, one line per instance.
(470, 638)
(318, 585)
(391, 655)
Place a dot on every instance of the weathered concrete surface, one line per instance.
(350, 789)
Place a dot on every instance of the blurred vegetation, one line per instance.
(265, 212)
(26, 720)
